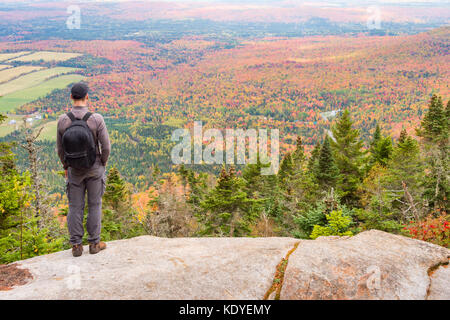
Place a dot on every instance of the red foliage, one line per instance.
(431, 229)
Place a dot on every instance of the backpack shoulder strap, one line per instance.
(86, 116)
(71, 116)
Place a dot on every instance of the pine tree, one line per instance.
(405, 170)
(376, 136)
(298, 189)
(228, 209)
(376, 202)
(265, 189)
(433, 127)
(291, 165)
(195, 186)
(256, 184)
(349, 158)
(447, 110)
(327, 172)
(184, 174)
(299, 153)
(380, 149)
(447, 114)
(286, 171)
(120, 219)
(403, 136)
(312, 161)
(8, 178)
(116, 193)
(434, 131)
(406, 163)
(13, 193)
(22, 234)
(381, 152)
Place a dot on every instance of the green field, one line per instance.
(8, 56)
(14, 100)
(47, 56)
(6, 128)
(24, 84)
(32, 79)
(11, 73)
(49, 131)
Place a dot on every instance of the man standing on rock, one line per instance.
(83, 146)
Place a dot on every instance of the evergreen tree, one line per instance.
(447, 114)
(380, 149)
(381, 152)
(255, 183)
(312, 161)
(120, 220)
(327, 172)
(298, 189)
(405, 170)
(286, 171)
(376, 136)
(302, 182)
(338, 225)
(292, 164)
(403, 136)
(116, 192)
(316, 215)
(22, 234)
(434, 131)
(265, 189)
(228, 209)
(195, 186)
(9, 177)
(406, 163)
(298, 156)
(374, 199)
(184, 174)
(349, 158)
(447, 110)
(434, 125)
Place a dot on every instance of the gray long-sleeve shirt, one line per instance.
(97, 126)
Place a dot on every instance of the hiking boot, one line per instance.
(96, 247)
(77, 250)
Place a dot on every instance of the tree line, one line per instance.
(344, 187)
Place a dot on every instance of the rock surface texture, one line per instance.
(370, 265)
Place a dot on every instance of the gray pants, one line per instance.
(78, 182)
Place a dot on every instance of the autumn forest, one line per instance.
(363, 116)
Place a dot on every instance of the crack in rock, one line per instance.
(432, 270)
(277, 283)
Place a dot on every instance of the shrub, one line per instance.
(27, 241)
(432, 229)
(338, 225)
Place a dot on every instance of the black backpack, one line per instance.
(80, 150)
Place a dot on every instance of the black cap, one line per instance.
(79, 91)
